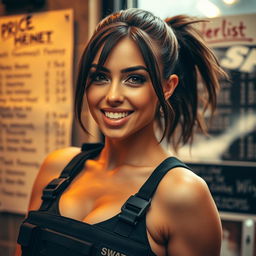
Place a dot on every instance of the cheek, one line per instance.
(145, 100)
(91, 102)
(89, 98)
(92, 96)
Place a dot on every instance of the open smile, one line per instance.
(116, 115)
(114, 118)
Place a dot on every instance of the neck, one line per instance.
(141, 149)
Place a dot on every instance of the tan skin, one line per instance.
(182, 219)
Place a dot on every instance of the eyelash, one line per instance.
(139, 79)
(95, 76)
(101, 78)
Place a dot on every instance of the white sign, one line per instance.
(36, 57)
(233, 129)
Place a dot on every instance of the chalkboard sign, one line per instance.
(233, 187)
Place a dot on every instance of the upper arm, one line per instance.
(51, 168)
(195, 228)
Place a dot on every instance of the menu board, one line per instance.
(232, 132)
(36, 63)
(232, 186)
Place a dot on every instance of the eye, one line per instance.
(98, 78)
(136, 79)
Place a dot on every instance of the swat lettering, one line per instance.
(21, 31)
(109, 252)
(240, 58)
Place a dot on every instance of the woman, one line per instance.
(137, 73)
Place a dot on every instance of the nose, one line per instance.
(115, 95)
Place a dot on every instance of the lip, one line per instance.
(116, 110)
(115, 123)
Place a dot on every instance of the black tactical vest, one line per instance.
(46, 233)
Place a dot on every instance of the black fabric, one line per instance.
(148, 189)
(47, 233)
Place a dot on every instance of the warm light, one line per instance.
(209, 9)
(230, 2)
(249, 223)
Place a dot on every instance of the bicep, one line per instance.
(197, 231)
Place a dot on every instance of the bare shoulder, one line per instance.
(186, 187)
(59, 158)
(51, 168)
(194, 226)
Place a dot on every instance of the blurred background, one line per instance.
(40, 47)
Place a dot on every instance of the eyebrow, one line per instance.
(125, 70)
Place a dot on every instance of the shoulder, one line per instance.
(190, 213)
(51, 168)
(56, 161)
(59, 158)
(185, 186)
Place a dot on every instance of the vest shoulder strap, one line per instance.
(149, 187)
(136, 205)
(58, 185)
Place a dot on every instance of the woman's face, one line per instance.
(121, 97)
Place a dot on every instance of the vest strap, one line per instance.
(133, 209)
(137, 205)
(56, 187)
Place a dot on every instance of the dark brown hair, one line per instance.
(173, 46)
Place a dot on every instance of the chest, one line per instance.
(94, 197)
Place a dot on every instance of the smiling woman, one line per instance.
(128, 196)
(120, 94)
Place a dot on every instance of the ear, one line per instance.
(170, 85)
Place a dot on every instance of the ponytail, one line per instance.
(196, 63)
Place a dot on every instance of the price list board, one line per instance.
(36, 63)
(232, 186)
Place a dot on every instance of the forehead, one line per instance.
(124, 53)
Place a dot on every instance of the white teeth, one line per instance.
(115, 115)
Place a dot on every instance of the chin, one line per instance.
(123, 134)
(116, 136)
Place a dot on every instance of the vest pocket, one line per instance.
(55, 243)
(26, 234)
(37, 241)
(27, 240)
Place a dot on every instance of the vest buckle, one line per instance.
(134, 208)
(52, 189)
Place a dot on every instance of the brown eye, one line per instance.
(136, 79)
(98, 78)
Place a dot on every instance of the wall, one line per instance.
(86, 15)
(9, 224)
